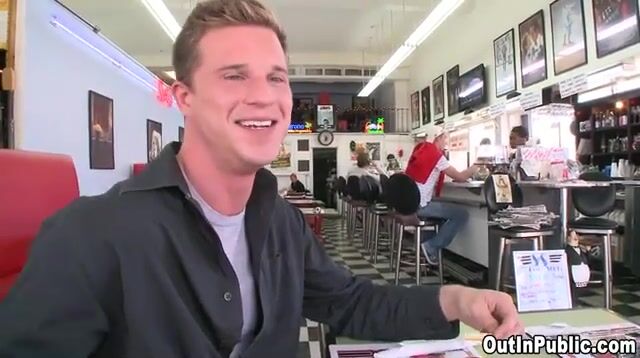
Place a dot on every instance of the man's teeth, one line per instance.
(256, 124)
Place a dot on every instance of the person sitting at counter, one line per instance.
(364, 166)
(393, 166)
(296, 185)
(427, 167)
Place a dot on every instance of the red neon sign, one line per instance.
(163, 94)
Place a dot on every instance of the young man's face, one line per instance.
(239, 103)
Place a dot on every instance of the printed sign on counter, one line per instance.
(542, 280)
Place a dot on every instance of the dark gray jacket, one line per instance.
(138, 272)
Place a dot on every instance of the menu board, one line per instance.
(542, 280)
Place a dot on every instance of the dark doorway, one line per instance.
(6, 125)
(324, 160)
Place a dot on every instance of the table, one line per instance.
(576, 317)
(314, 217)
(306, 203)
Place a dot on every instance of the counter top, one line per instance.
(465, 184)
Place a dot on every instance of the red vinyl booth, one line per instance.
(33, 186)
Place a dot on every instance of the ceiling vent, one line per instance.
(331, 73)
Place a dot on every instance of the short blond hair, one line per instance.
(213, 14)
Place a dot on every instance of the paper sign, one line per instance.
(497, 110)
(502, 186)
(573, 85)
(542, 280)
(530, 100)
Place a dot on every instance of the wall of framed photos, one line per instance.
(542, 41)
(71, 100)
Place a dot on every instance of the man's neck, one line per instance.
(224, 191)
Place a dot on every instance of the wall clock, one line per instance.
(325, 138)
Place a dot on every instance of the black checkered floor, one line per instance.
(351, 254)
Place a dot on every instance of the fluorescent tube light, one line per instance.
(161, 13)
(435, 18)
(595, 94)
(171, 74)
(116, 63)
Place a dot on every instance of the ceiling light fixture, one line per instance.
(435, 18)
(161, 13)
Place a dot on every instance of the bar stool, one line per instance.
(341, 184)
(511, 235)
(354, 206)
(404, 197)
(374, 212)
(592, 203)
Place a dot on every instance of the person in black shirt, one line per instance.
(296, 185)
(166, 264)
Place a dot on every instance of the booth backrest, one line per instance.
(33, 186)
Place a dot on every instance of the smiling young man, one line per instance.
(198, 256)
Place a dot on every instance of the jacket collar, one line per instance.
(164, 172)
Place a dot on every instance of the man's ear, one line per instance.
(182, 94)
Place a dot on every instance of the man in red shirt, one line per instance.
(427, 167)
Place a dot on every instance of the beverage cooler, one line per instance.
(550, 127)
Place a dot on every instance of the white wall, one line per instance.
(466, 38)
(389, 144)
(54, 73)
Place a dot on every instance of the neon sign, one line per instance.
(376, 127)
(163, 94)
(300, 128)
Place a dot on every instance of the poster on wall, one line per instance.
(374, 151)
(357, 148)
(154, 139)
(101, 153)
(438, 99)
(283, 160)
(616, 25)
(426, 105)
(533, 52)
(180, 134)
(415, 110)
(505, 63)
(325, 116)
(568, 35)
(452, 90)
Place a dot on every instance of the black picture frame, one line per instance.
(573, 58)
(154, 139)
(530, 52)
(101, 132)
(303, 166)
(303, 145)
(425, 102)
(615, 43)
(452, 90)
(415, 110)
(506, 61)
(438, 98)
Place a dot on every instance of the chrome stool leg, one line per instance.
(399, 254)
(417, 237)
(498, 278)
(607, 270)
(375, 238)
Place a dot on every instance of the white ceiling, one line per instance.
(372, 26)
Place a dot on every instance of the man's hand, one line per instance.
(485, 310)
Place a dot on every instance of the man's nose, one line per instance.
(259, 92)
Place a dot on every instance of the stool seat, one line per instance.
(358, 203)
(588, 223)
(413, 220)
(520, 232)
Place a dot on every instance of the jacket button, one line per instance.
(187, 196)
(227, 296)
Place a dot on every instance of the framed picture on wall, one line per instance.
(568, 35)
(415, 110)
(154, 139)
(452, 90)
(533, 51)
(621, 16)
(438, 98)
(504, 56)
(303, 166)
(180, 134)
(426, 105)
(101, 153)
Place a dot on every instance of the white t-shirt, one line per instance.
(429, 186)
(230, 230)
